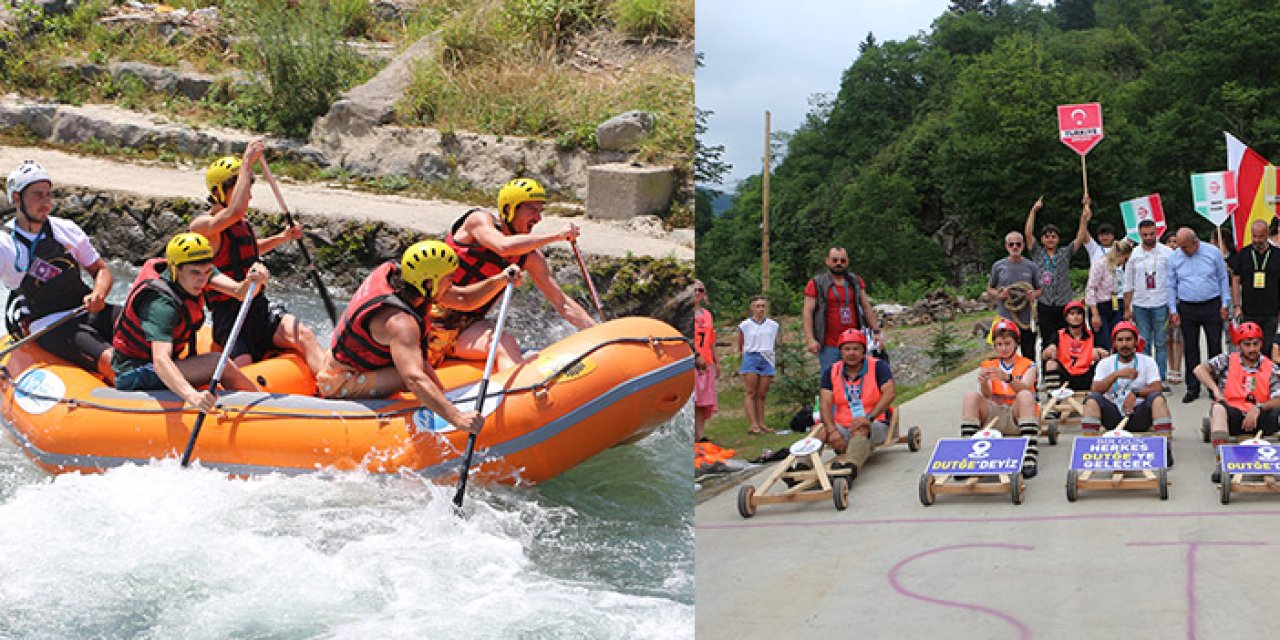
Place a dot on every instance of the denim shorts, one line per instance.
(142, 378)
(754, 362)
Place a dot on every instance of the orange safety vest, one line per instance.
(706, 454)
(1001, 392)
(840, 394)
(1075, 354)
(1241, 384)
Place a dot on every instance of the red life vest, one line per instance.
(353, 342)
(477, 262)
(704, 335)
(839, 390)
(130, 340)
(237, 251)
(1000, 391)
(1075, 354)
(1241, 384)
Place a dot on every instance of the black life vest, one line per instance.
(353, 343)
(131, 341)
(51, 280)
(237, 251)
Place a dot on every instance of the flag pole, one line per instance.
(1084, 174)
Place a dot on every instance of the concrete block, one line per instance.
(619, 191)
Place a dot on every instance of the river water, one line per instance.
(157, 551)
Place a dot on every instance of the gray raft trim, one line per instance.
(514, 445)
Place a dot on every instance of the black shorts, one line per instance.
(257, 336)
(1268, 422)
(82, 341)
(1082, 382)
(1139, 419)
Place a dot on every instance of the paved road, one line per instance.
(430, 216)
(1112, 565)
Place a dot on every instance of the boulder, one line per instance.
(625, 131)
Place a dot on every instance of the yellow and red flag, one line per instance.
(1255, 186)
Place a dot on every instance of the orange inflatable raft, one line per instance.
(607, 385)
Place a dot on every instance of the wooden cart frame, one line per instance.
(819, 481)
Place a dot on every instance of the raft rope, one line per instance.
(541, 387)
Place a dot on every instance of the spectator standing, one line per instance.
(1106, 289)
(1146, 291)
(757, 336)
(1199, 299)
(707, 369)
(1255, 282)
(834, 302)
(1015, 284)
(1055, 268)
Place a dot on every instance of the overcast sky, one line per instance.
(774, 54)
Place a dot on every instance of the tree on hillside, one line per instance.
(1075, 14)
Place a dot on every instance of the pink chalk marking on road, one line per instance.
(1192, 547)
(1083, 517)
(1024, 632)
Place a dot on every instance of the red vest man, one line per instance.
(854, 398)
(1245, 389)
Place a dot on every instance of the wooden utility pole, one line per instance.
(764, 212)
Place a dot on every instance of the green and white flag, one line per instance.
(1138, 209)
(1214, 195)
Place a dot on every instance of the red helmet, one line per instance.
(1074, 304)
(1246, 331)
(1005, 325)
(853, 335)
(1124, 325)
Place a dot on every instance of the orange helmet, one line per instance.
(853, 335)
(1246, 331)
(1006, 325)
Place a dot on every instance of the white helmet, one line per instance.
(27, 174)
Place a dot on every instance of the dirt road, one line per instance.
(430, 216)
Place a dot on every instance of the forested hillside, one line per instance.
(934, 147)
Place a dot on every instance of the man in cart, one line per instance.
(855, 395)
(1127, 384)
(1245, 388)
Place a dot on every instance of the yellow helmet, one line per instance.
(217, 175)
(516, 192)
(427, 262)
(187, 248)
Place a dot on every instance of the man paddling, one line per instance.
(379, 345)
(237, 252)
(487, 243)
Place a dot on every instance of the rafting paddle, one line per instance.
(484, 387)
(75, 313)
(302, 246)
(595, 297)
(217, 372)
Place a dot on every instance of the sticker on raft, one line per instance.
(38, 390)
(464, 398)
(550, 364)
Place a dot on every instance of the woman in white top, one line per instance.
(757, 336)
(1105, 291)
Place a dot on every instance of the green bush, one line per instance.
(551, 22)
(640, 18)
(354, 17)
(301, 65)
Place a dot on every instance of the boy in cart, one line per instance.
(1127, 384)
(1245, 388)
(854, 397)
(1073, 357)
(1006, 391)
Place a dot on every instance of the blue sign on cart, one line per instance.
(1119, 453)
(1250, 459)
(977, 456)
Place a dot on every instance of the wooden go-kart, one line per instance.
(1061, 405)
(1249, 482)
(1110, 480)
(816, 481)
(931, 485)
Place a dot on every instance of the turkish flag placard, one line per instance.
(1080, 126)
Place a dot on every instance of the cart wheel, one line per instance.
(1162, 476)
(746, 508)
(1051, 431)
(1015, 489)
(1226, 489)
(926, 489)
(1073, 486)
(840, 492)
(914, 438)
(1204, 429)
